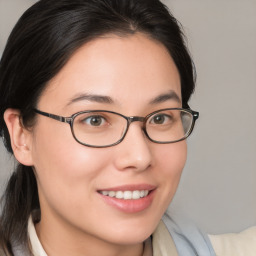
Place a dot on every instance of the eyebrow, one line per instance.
(91, 97)
(171, 95)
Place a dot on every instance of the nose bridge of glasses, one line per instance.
(135, 119)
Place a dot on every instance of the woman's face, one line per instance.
(134, 76)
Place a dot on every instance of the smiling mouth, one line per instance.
(126, 195)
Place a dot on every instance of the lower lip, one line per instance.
(130, 205)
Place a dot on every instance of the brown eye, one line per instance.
(94, 120)
(160, 119)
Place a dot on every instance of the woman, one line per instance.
(94, 107)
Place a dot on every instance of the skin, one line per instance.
(75, 221)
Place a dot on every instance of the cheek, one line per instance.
(64, 168)
(172, 158)
(171, 161)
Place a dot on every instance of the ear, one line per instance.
(21, 137)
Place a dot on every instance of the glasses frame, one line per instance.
(129, 119)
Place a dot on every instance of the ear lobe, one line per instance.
(20, 136)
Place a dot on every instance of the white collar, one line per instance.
(36, 246)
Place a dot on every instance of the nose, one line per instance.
(134, 152)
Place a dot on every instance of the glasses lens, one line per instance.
(169, 125)
(99, 129)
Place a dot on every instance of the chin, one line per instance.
(132, 233)
(136, 237)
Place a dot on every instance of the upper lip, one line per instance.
(130, 187)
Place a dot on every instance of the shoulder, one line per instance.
(239, 244)
(188, 238)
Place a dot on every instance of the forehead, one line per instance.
(127, 69)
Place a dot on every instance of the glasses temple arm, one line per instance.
(55, 117)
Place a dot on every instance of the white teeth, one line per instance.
(136, 194)
(105, 193)
(112, 193)
(142, 193)
(127, 194)
(119, 194)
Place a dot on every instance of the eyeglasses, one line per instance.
(101, 128)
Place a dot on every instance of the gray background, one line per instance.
(218, 186)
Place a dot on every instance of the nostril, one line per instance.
(134, 152)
